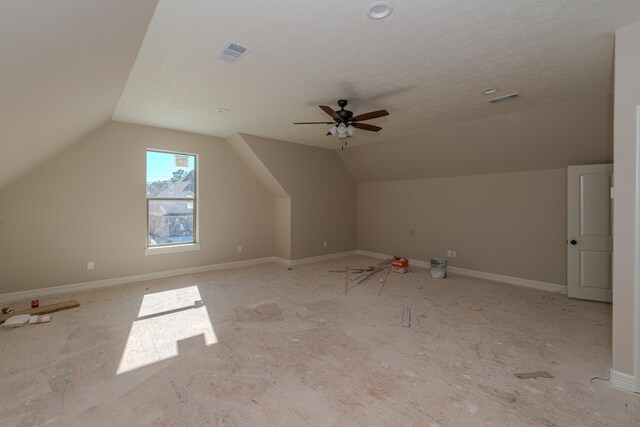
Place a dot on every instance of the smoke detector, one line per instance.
(233, 52)
(379, 10)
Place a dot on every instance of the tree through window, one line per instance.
(171, 198)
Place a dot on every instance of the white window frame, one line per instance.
(174, 247)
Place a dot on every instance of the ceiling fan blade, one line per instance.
(365, 126)
(330, 112)
(371, 115)
(313, 123)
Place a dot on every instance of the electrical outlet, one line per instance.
(453, 254)
(90, 265)
(325, 243)
(239, 249)
(448, 252)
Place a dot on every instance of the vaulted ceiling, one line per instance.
(63, 67)
(67, 66)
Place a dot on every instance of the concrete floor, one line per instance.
(271, 346)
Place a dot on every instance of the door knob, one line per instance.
(573, 242)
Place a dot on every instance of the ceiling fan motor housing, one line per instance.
(345, 115)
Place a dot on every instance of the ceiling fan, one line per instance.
(345, 123)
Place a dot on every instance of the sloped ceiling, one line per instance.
(67, 66)
(426, 63)
(547, 137)
(63, 66)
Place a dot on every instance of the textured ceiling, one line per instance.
(63, 66)
(426, 63)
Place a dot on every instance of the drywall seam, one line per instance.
(77, 287)
(518, 281)
(623, 381)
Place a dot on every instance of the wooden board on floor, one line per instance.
(44, 309)
(406, 317)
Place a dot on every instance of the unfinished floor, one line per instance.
(265, 345)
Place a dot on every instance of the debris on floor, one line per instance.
(40, 318)
(474, 307)
(383, 280)
(533, 375)
(406, 317)
(438, 268)
(365, 275)
(400, 265)
(44, 309)
(359, 275)
(16, 321)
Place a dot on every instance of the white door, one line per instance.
(589, 239)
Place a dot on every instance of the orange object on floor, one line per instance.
(400, 265)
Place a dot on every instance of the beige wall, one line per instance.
(625, 214)
(282, 244)
(282, 213)
(323, 195)
(511, 223)
(548, 137)
(88, 203)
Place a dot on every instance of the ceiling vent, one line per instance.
(511, 97)
(233, 52)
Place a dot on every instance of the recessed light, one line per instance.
(489, 90)
(223, 110)
(379, 10)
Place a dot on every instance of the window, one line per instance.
(171, 198)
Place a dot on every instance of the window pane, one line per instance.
(170, 221)
(170, 175)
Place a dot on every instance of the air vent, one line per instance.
(511, 97)
(233, 52)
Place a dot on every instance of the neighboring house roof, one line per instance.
(182, 188)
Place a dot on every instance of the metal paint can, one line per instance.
(35, 303)
(7, 310)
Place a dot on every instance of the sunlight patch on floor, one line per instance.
(164, 319)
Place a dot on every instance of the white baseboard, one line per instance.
(551, 287)
(518, 281)
(283, 261)
(301, 261)
(623, 381)
(76, 287)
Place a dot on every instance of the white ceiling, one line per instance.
(63, 66)
(68, 66)
(426, 63)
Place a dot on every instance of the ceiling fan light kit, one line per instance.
(345, 123)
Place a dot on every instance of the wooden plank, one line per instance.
(406, 317)
(372, 269)
(371, 273)
(45, 309)
(346, 283)
(384, 280)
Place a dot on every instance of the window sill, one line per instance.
(157, 250)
